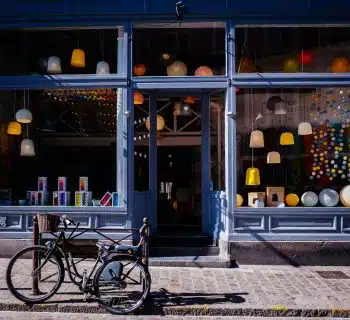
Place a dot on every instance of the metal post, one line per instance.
(146, 242)
(35, 279)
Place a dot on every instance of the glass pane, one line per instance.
(55, 51)
(71, 135)
(179, 49)
(292, 49)
(293, 147)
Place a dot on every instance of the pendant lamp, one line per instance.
(304, 128)
(78, 58)
(14, 128)
(138, 97)
(256, 139)
(24, 115)
(273, 157)
(27, 148)
(102, 67)
(252, 177)
(286, 139)
(177, 68)
(54, 65)
(280, 109)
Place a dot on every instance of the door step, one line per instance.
(191, 261)
(184, 251)
(181, 240)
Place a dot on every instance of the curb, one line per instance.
(200, 310)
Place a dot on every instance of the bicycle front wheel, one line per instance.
(34, 283)
(122, 284)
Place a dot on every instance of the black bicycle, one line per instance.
(36, 273)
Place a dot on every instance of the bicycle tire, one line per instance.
(146, 287)
(9, 281)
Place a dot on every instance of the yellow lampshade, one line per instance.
(14, 128)
(78, 58)
(292, 200)
(239, 200)
(160, 123)
(138, 98)
(273, 157)
(304, 128)
(256, 139)
(287, 139)
(252, 177)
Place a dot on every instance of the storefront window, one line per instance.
(293, 147)
(58, 147)
(179, 49)
(55, 51)
(292, 49)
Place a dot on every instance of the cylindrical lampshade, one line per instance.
(102, 67)
(256, 139)
(78, 58)
(304, 128)
(280, 108)
(14, 128)
(54, 65)
(273, 157)
(27, 148)
(160, 123)
(138, 97)
(24, 116)
(286, 139)
(203, 71)
(177, 68)
(252, 177)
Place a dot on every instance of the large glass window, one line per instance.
(179, 49)
(58, 147)
(293, 147)
(56, 51)
(292, 49)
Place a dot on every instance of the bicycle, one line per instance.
(117, 262)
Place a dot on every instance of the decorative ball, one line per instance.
(160, 123)
(309, 199)
(345, 196)
(177, 68)
(329, 198)
(292, 200)
(340, 65)
(239, 200)
(203, 71)
(140, 70)
(291, 65)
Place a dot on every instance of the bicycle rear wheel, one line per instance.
(20, 274)
(122, 284)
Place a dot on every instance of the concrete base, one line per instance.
(293, 253)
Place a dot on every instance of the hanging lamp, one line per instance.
(273, 157)
(138, 97)
(14, 128)
(78, 58)
(102, 66)
(252, 177)
(280, 108)
(54, 65)
(286, 139)
(24, 115)
(304, 128)
(256, 139)
(27, 148)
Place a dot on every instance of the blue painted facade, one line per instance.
(221, 219)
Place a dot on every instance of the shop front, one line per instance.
(210, 119)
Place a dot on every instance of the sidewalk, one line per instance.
(244, 291)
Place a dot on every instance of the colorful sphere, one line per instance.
(292, 200)
(305, 57)
(239, 200)
(340, 65)
(203, 71)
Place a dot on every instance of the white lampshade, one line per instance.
(177, 68)
(54, 65)
(102, 67)
(304, 128)
(273, 157)
(280, 108)
(345, 196)
(24, 116)
(27, 148)
(256, 139)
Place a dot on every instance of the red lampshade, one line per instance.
(305, 57)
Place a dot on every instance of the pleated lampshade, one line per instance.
(78, 58)
(27, 148)
(54, 65)
(14, 128)
(102, 67)
(304, 128)
(24, 116)
(252, 177)
(273, 157)
(256, 139)
(286, 139)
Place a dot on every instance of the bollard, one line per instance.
(146, 242)
(35, 279)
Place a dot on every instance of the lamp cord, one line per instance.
(14, 103)
(251, 110)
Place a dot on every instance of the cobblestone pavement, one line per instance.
(280, 288)
(9, 315)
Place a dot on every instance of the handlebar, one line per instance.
(67, 221)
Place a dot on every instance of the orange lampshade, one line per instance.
(78, 58)
(14, 128)
(203, 71)
(190, 100)
(286, 139)
(138, 97)
(139, 70)
(340, 65)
